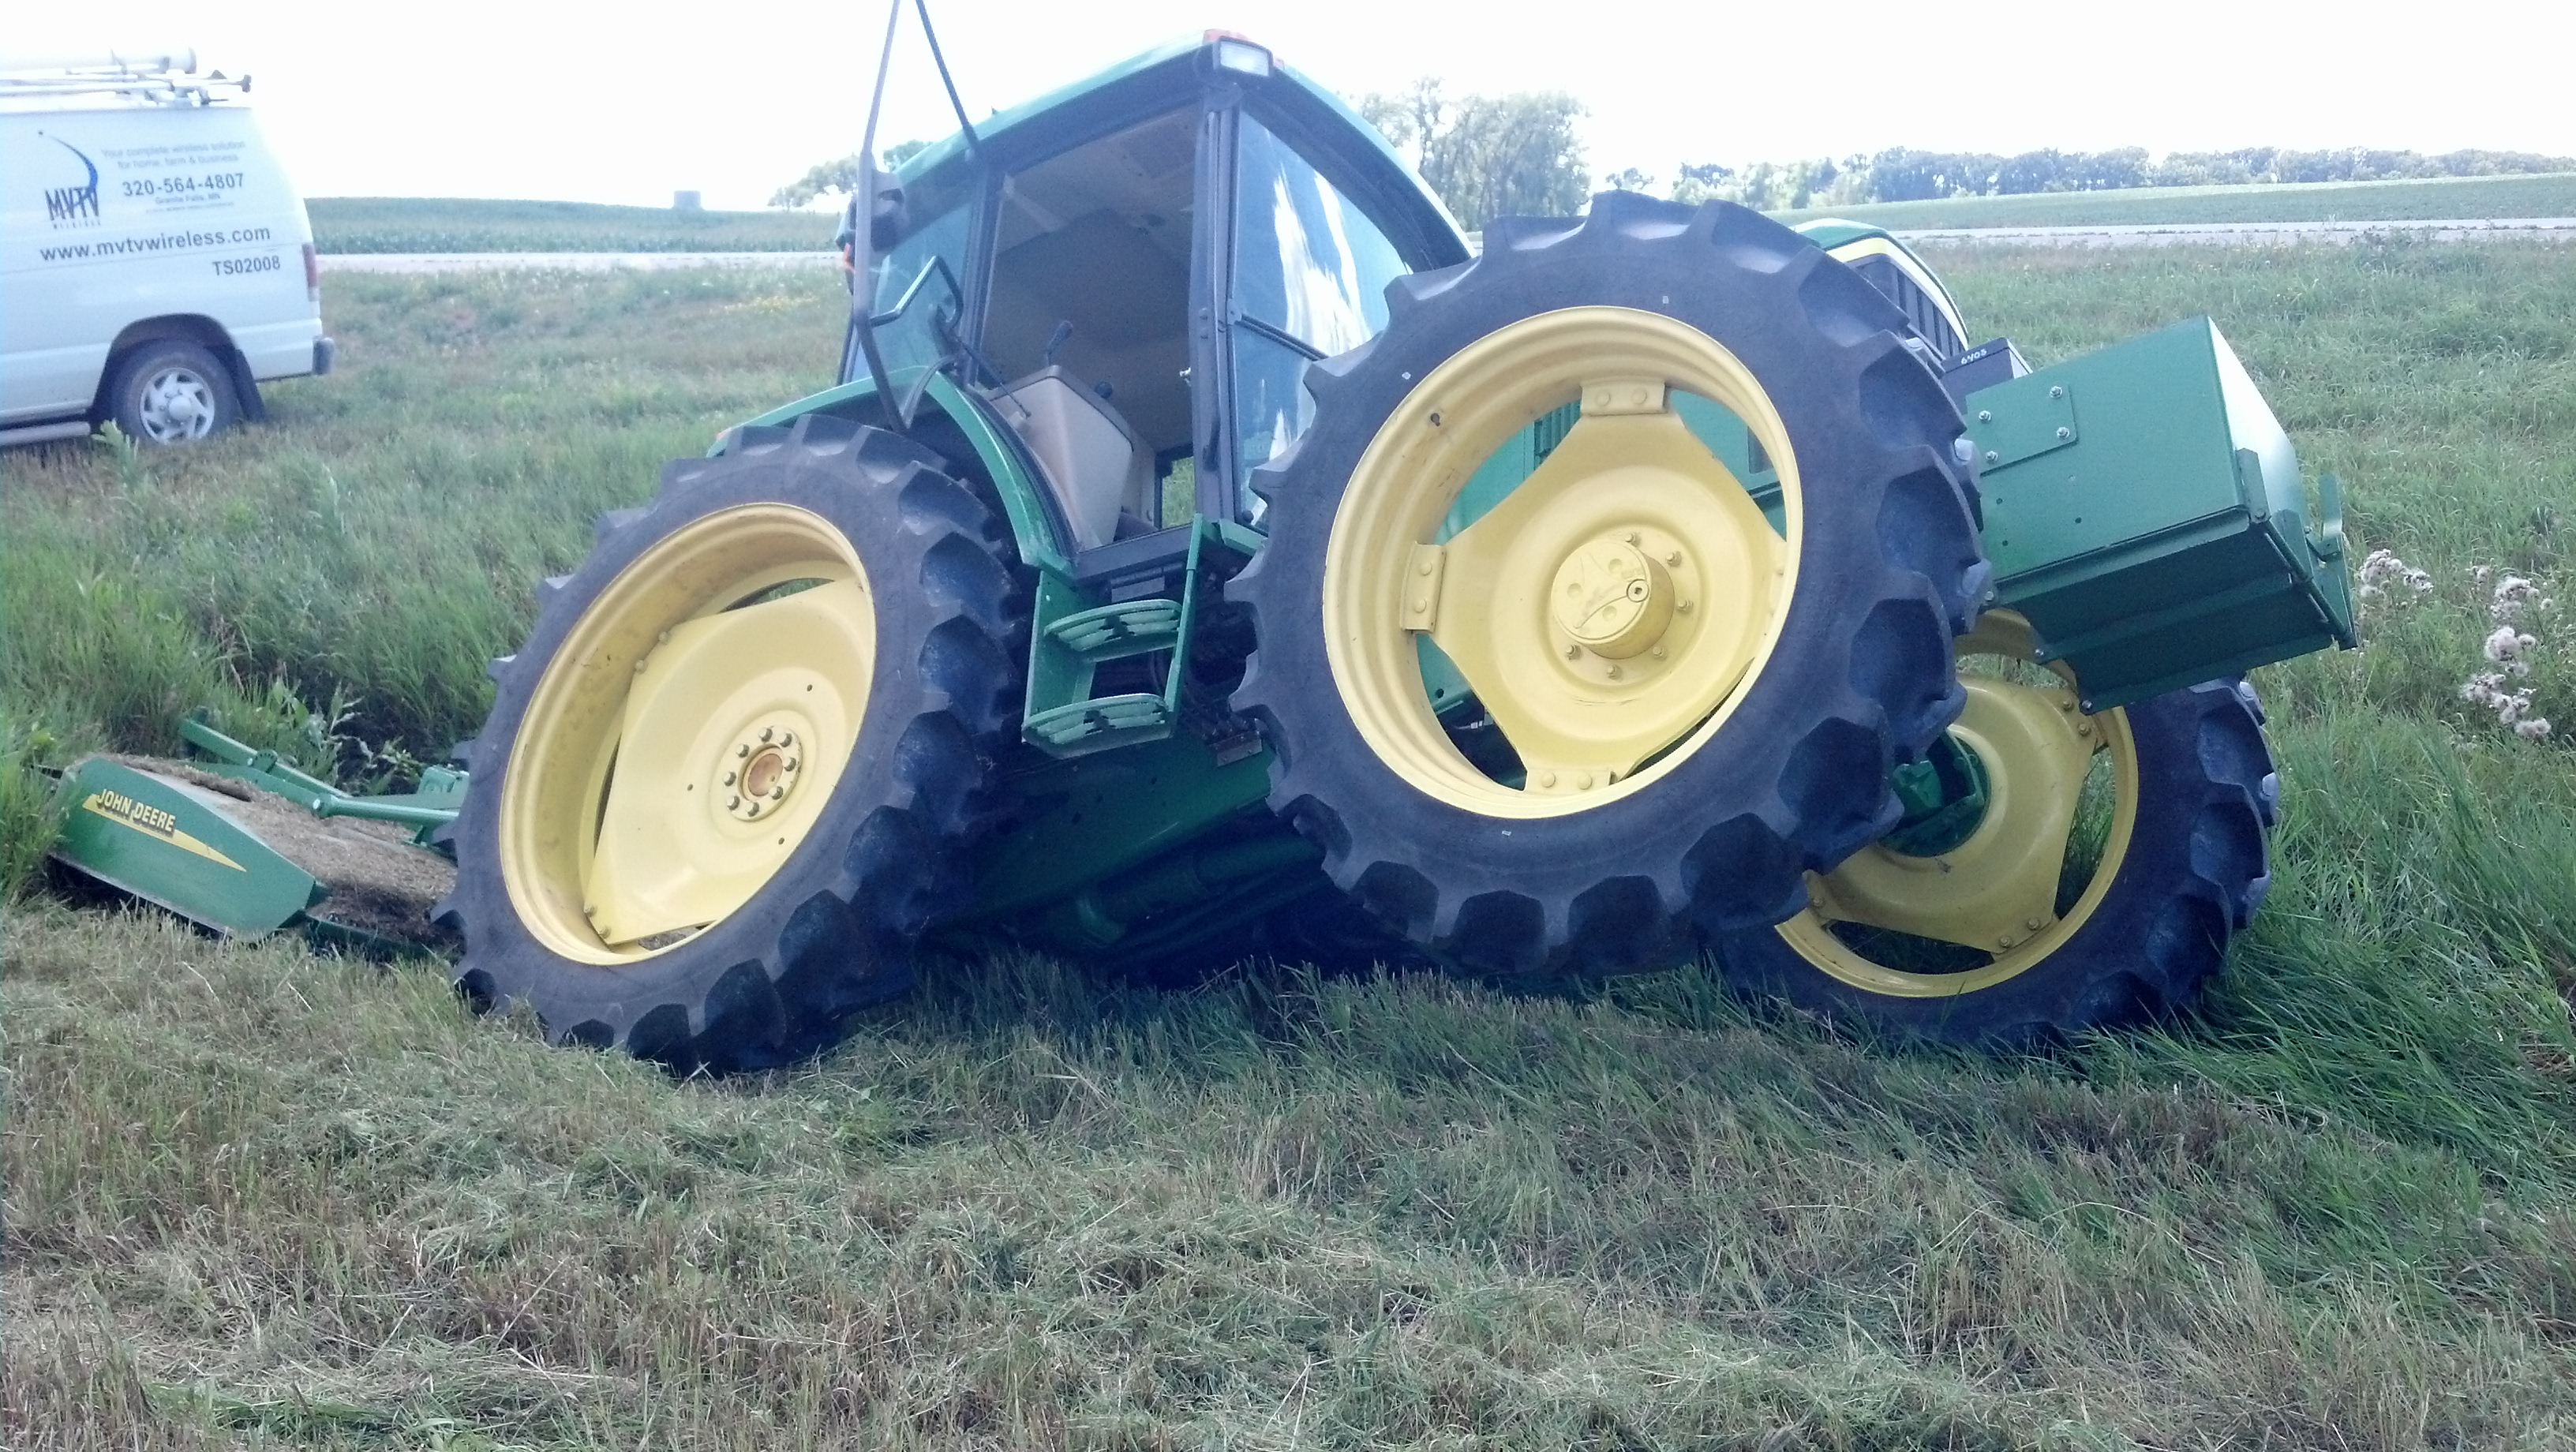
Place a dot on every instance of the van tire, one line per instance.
(172, 392)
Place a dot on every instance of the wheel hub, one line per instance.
(1611, 597)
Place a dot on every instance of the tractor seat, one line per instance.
(1095, 465)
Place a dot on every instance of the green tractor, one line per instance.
(1209, 552)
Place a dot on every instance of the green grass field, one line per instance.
(458, 224)
(257, 1197)
(2552, 195)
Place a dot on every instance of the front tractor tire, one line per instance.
(733, 770)
(1701, 706)
(2108, 861)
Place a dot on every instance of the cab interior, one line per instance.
(1091, 274)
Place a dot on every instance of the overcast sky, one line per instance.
(629, 103)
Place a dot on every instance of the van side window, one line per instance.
(1310, 278)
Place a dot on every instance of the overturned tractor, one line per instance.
(1205, 554)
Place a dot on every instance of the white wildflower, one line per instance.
(2479, 575)
(2514, 596)
(2535, 728)
(2381, 568)
(2507, 647)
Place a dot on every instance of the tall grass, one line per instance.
(376, 542)
(254, 1195)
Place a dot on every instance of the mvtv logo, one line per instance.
(71, 204)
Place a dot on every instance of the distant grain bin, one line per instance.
(686, 202)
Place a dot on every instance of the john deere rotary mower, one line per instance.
(1206, 553)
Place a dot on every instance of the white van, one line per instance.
(155, 264)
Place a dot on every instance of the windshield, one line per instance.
(911, 276)
(1310, 278)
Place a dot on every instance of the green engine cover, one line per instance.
(2144, 510)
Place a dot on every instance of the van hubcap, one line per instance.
(178, 404)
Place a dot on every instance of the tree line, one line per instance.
(1494, 156)
(1904, 174)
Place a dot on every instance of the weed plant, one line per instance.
(260, 1197)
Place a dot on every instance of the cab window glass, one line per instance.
(920, 275)
(1310, 276)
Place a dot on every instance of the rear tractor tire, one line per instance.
(734, 769)
(1701, 705)
(2098, 881)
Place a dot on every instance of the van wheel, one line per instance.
(172, 393)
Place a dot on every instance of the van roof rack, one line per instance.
(164, 77)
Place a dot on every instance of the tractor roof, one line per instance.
(1176, 72)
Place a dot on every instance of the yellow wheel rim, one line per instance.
(688, 733)
(1610, 611)
(1997, 892)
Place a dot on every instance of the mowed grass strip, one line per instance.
(468, 224)
(257, 1194)
(2431, 198)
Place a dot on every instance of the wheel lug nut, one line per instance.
(1673, 558)
(1614, 672)
(741, 751)
(787, 738)
(767, 732)
(728, 781)
(1573, 652)
(1684, 608)
(1630, 536)
(733, 802)
(776, 793)
(791, 764)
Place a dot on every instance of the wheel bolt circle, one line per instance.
(760, 773)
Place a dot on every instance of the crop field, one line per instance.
(260, 1197)
(460, 224)
(453, 224)
(2550, 195)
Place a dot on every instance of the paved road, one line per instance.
(2154, 234)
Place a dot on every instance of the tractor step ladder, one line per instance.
(1068, 648)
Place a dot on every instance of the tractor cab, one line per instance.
(1130, 276)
